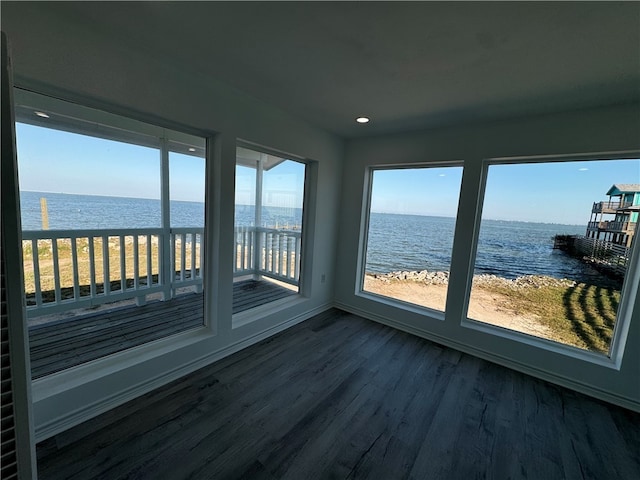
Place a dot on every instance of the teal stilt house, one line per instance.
(615, 219)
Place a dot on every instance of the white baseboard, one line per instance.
(87, 412)
(492, 357)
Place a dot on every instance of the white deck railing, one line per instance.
(280, 258)
(68, 269)
(187, 256)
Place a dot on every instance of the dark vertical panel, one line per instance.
(9, 462)
(18, 451)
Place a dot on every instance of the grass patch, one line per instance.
(92, 259)
(582, 315)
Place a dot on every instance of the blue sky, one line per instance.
(553, 192)
(61, 162)
(560, 192)
(283, 185)
(417, 191)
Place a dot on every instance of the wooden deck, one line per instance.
(66, 343)
(341, 397)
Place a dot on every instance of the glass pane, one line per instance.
(553, 249)
(187, 193)
(186, 190)
(411, 225)
(268, 228)
(73, 181)
(97, 250)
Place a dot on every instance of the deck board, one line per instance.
(65, 343)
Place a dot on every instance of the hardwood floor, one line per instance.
(340, 397)
(65, 343)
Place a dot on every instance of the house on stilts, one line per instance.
(623, 205)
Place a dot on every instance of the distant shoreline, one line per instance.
(498, 220)
(483, 279)
(249, 205)
(34, 192)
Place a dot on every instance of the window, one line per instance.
(411, 222)
(112, 219)
(187, 175)
(268, 228)
(554, 249)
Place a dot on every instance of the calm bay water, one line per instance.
(508, 249)
(97, 212)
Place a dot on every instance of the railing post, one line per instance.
(150, 260)
(106, 274)
(92, 266)
(123, 266)
(142, 299)
(36, 272)
(56, 269)
(76, 276)
(199, 287)
(258, 242)
(167, 271)
(183, 255)
(281, 238)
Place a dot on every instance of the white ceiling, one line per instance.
(407, 65)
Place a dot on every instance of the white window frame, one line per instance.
(363, 241)
(629, 291)
(246, 317)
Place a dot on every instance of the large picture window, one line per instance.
(268, 228)
(112, 214)
(554, 249)
(411, 222)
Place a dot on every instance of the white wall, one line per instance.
(57, 56)
(600, 130)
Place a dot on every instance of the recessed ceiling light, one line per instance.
(42, 114)
(362, 119)
(191, 149)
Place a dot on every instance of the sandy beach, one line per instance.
(429, 289)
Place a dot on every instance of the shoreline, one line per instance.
(442, 278)
(562, 310)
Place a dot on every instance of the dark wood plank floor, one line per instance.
(65, 343)
(340, 397)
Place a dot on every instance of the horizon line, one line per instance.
(491, 219)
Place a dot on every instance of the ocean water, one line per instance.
(508, 249)
(97, 212)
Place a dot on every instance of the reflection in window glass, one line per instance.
(186, 193)
(73, 181)
(186, 190)
(268, 228)
(104, 188)
(105, 249)
(410, 236)
(553, 249)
